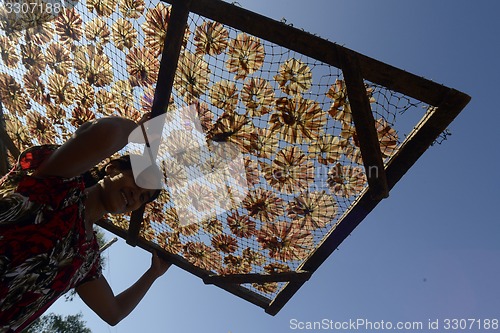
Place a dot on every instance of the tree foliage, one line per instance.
(54, 323)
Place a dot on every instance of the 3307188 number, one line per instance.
(33, 7)
(470, 324)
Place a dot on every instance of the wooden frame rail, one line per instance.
(364, 123)
(166, 74)
(294, 276)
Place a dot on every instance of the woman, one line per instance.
(47, 243)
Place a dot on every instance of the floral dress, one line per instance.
(44, 250)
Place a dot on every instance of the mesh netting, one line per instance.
(288, 116)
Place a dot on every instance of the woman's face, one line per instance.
(120, 192)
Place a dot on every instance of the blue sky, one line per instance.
(429, 251)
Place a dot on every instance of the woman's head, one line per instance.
(120, 193)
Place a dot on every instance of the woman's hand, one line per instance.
(158, 265)
(99, 296)
(148, 131)
(145, 117)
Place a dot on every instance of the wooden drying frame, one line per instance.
(356, 68)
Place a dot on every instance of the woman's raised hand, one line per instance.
(158, 265)
(145, 117)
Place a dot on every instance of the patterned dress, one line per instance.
(44, 250)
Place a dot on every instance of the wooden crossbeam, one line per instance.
(168, 66)
(301, 276)
(364, 123)
(136, 220)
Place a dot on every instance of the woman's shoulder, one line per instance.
(48, 190)
(27, 162)
(31, 158)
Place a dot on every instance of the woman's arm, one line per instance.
(92, 143)
(112, 309)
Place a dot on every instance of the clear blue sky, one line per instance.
(429, 251)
